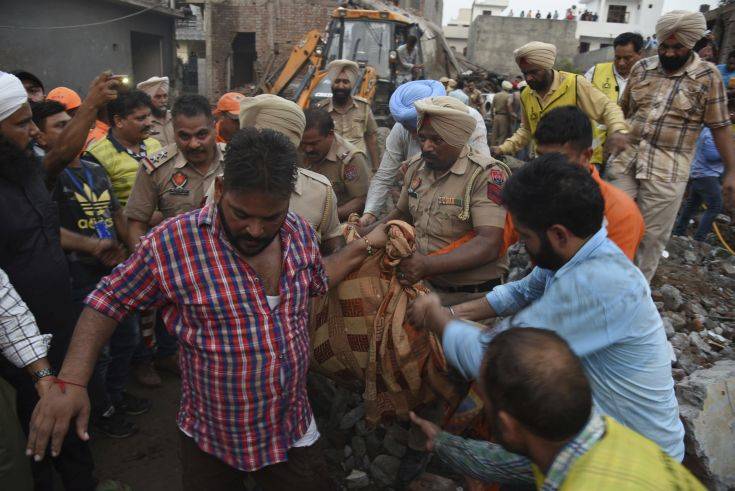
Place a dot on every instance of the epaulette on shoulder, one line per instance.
(323, 102)
(315, 176)
(361, 99)
(412, 160)
(156, 160)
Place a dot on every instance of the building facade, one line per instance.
(457, 30)
(615, 17)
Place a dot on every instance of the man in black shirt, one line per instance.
(91, 226)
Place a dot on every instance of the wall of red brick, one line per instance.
(277, 24)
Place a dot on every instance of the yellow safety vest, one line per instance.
(565, 95)
(603, 77)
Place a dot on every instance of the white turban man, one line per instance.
(163, 127)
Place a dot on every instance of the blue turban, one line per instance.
(401, 102)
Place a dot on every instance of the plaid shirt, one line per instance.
(666, 113)
(243, 366)
(20, 341)
(489, 462)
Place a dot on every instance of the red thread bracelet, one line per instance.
(63, 383)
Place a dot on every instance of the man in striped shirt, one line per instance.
(233, 282)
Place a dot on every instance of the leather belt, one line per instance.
(480, 287)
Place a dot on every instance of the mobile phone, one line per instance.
(124, 79)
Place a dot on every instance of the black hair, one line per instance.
(44, 109)
(565, 124)
(320, 119)
(411, 39)
(23, 75)
(191, 105)
(260, 160)
(549, 191)
(127, 102)
(533, 375)
(627, 38)
(731, 54)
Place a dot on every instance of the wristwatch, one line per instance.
(44, 372)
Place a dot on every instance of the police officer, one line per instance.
(157, 88)
(353, 118)
(452, 196)
(174, 179)
(338, 160)
(313, 197)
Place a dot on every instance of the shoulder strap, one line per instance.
(325, 212)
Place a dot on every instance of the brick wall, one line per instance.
(277, 24)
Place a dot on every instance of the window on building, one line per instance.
(487, 12)
(243, 59)
(617, 14)
(584, 47)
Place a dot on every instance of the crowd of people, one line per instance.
(571, 14)
(137, 238)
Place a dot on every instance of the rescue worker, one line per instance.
(408, 67)
(330, 155)
(228, 116)
(313, 197)
(67, 98)
(451, 194)
(667, 100)
(128, 142)
(611, 78)
(157, 88)
(548, 88)
(403, 142)
(502, 109)
(353, 118)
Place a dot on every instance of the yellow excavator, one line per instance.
(369, 35)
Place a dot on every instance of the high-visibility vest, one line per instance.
(603, 77)
(565, 95)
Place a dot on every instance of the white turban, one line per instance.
(152, 85)
(12, 95)
(536, 53)
(686, 27)
(449, 117)
(351, 69)
(507, 85)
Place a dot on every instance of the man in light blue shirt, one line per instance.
(585, 289)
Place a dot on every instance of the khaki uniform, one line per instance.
(313, 199)
(163, 130)
(501, 117)
(447, 208)
(354, 122)
(170, 184)
(346, 168)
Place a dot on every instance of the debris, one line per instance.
(357, 480)
(672, 297)
(384, 469)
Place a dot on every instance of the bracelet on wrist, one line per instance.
(63, 383)
(44, 372)
(370, 250)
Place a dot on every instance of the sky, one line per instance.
(451, 7)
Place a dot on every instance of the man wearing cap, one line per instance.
(352, 116)
(667, 100)
(32, 85)
(502, 109)
(227, 113)
(163, 128)
(67, 98)
(451, 194)
(403, 142)
(330, 155)
(313, 197)
(549, 88)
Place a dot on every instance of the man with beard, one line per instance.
(548, 432)
(233, 280)
(548, 88)
(352, 116)
(327, 153)
(452, 196)
(585, 289)
(31, 255)
(162, 124)
(668, 99)
(611, 78)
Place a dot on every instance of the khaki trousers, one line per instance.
(501, 128)
(659, 203)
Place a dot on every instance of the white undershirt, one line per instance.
(312, 433)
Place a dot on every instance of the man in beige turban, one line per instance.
(667, 100)
(163, 128)
(451, 194)
(353, 118)
(313, 197)
(548, 89)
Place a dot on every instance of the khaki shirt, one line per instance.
(170, 185)
(435, 205)
(163, 130)
(346, 168)
(353, 122)
(313, 199)
(590, 100)
(500, 103)
(666, 113)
